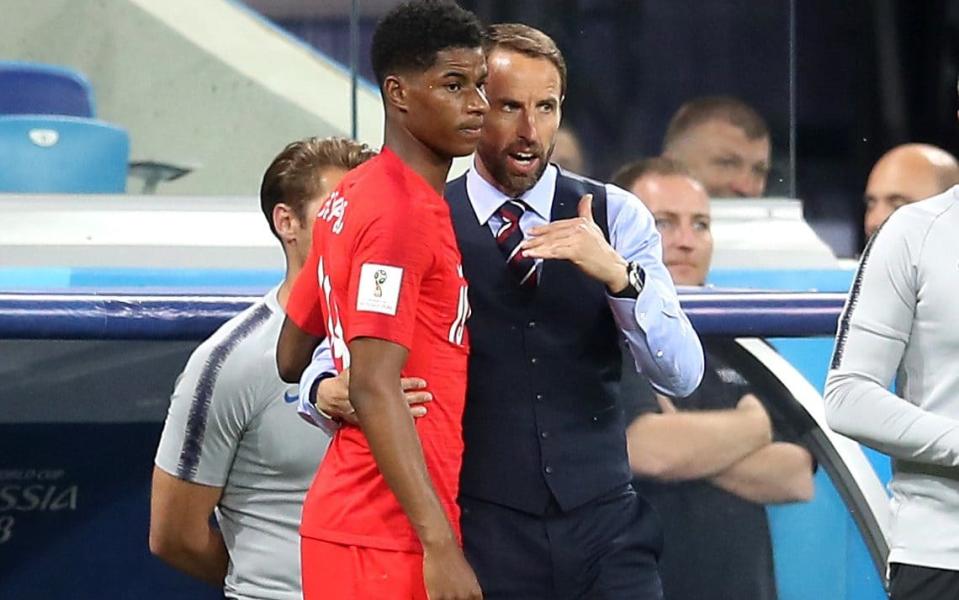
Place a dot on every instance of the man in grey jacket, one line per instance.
(900, 321)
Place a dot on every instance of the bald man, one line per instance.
(904, 175)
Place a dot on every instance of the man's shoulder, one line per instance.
(916, 218)
(576, 178)
(240, 351)
(388, 189)
(907, 230)
(371, 178)
(224, 384)
(941, 211)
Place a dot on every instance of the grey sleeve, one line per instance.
(208, 413)
(874, 330)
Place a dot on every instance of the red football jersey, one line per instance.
(385, 264)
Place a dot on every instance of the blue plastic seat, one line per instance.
(40, 154)
(39, 89)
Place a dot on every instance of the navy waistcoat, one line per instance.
(543, 418)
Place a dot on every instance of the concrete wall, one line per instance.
(205, 83)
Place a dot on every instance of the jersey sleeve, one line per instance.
(303, 306)
(392, 255)
(874, 329)
(208, 413)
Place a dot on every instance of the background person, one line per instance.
(725, 144)
(568, 151)
(232, 443)
(904, 175)
(709, 466)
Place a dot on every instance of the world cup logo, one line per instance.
(379, 278)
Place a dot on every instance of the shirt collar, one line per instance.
(486, 199)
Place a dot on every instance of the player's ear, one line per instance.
(285, 221)
(395, 92)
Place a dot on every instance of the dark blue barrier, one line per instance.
(179, 317)
(763, 314)
(115, 316)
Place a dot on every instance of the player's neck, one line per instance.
(418, 156)
(292, 270)
(283, 294)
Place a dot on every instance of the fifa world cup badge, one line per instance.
(379, 278)
(379, 290)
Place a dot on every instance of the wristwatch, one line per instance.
(635, 280)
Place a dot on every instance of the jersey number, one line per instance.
(334, 327)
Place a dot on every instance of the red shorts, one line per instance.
(357, 573)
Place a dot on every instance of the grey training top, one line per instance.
(902, 319)
(233, 424)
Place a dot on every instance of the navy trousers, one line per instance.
(605, 550)
(915, 582)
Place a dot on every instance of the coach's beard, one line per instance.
(508, 170)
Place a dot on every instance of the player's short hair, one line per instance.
(627, 175)
(410, 35)
(734, 111)
(293, 178)
(529, 41)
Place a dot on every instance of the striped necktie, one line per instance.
(508, 237)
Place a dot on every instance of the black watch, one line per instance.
(635, 278)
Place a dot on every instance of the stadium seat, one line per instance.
(48, 154)
(40, 89)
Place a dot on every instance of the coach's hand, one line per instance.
(333, 397)
(581, 242)
(447, 575)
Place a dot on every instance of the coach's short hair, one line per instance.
(712, 108)
(410, 35)
(529, 41)
(293, 178)
(627, 175)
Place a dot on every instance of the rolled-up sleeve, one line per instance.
(663, 342)
(321, 364)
